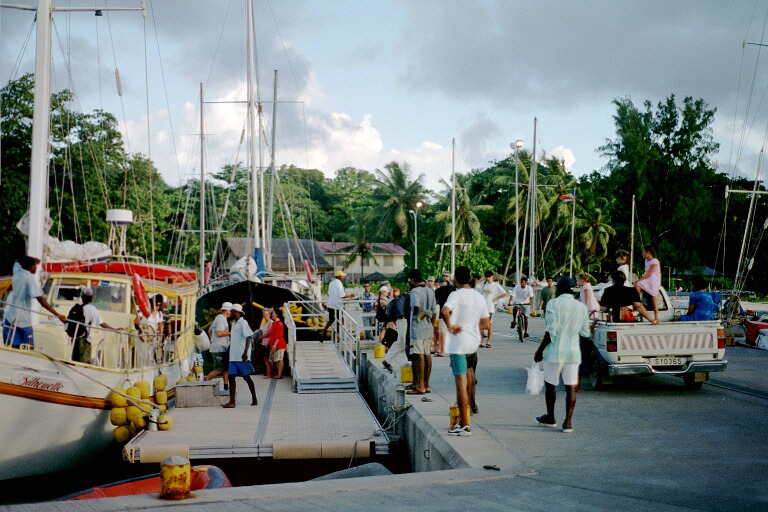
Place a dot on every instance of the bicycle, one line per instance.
(517, 319)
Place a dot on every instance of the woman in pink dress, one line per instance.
(587, 295)
(650, 282)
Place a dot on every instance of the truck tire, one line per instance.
(595, 379)
(690, 382)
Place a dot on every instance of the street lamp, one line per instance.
(516, 146)
(418, 205)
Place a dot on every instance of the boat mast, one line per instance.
(202, 191)
(252, 129)
(573, 231)
(532, 197)
(632, 240)
(38, 174)
(273, 176)
(453, 207)
(736, 283)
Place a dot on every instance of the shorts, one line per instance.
(276, 355)
(523, 308)
(569, 371)
(220, 361)
(472, 361)
(459, 364)
(421, 346)
(240, 368)
(18, 336)
(443, 328)
(331, 315)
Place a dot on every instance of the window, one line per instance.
(388, 261)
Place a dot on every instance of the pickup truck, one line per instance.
(690, 350)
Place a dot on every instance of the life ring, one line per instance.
(142, 300)
(309, 272)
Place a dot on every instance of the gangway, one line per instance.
(330, 367)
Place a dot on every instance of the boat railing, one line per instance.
(122, 349)
(345, 331)
(369, 324)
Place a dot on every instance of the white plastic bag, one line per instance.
(535, 379)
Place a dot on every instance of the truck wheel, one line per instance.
(595, 379)
(690, 382)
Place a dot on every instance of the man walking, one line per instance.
(522, 297)
(368, 301)
(465, 314)
(422, 306)
(335, 302)
(444, 289)
(492, 292)
(566, 320)
(547, 294)
(239, 349)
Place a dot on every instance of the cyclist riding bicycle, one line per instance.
(522, 298)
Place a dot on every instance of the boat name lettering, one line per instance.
(38, 383)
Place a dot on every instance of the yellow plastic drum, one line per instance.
(406, 373)
(379, 351)
(455, 417)
(175, 478)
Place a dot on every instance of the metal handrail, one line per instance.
(131, 342)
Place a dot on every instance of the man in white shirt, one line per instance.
(219, 334)
(239, 350)
(522, 297)
(17, 324)
(82, 347)
(566, 320)
(335, 300)
(465, 314)
(492, 292)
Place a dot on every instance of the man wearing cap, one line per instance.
(566, 320)
(82, 346)
(335, 298)
(239, 364)
(219, 334)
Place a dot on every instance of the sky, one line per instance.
(363, 83)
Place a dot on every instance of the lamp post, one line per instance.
(418, 205)
(516, 146)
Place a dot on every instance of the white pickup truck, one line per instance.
(690, 350)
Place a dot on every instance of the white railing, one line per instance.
(110, 348)
(345, 331)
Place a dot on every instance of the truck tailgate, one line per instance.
(692, 341)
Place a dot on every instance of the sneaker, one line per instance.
(568, 429)
(387, 366)
(459, 430)
(525, 335)
(546, 421)
(512, 325)
(474, 409)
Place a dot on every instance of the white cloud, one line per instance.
(564, 154)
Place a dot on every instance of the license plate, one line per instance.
(667, 361)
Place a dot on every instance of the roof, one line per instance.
(376, 247)
(376, 276)
(308, 249)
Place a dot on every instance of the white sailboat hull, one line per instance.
(55, 415)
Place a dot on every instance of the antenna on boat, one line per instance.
(118, 220)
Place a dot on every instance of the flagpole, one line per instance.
(573, 230)
(632, 240)
(453, 207)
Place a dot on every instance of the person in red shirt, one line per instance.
(277, 342)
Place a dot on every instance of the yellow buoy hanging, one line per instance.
(143, 388)
(117, 416)
(117, 399)
(175, 478)
(160, 382)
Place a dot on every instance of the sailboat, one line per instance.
(56, 410)
(256, 285)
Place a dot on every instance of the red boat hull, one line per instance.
(203, 477)
(144, 270)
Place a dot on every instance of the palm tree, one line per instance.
(467, 224)
(558, 216)
(358, 234)
(597, 232)
(397, 194)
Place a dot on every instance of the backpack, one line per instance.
(76, 314)
(396, 308)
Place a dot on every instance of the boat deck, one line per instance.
(284, 425)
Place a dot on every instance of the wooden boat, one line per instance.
(202, 477)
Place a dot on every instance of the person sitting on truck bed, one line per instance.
(700, 305)
(619, 296)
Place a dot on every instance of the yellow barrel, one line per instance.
(175, 478)
(406, 373)
(379, 351)
(455, 417)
